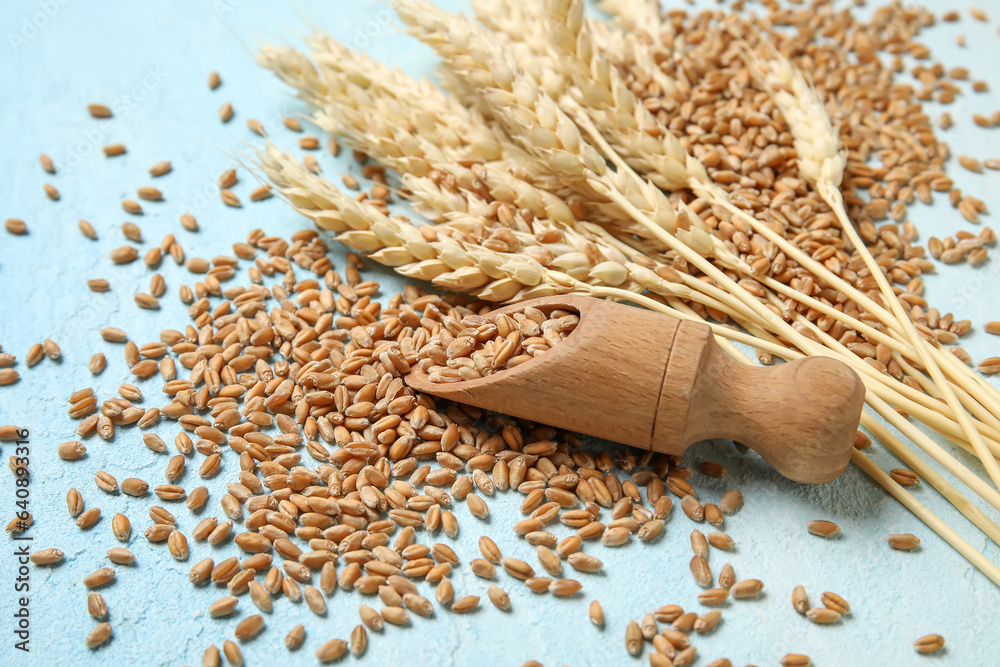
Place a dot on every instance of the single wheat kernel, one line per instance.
(99, 635)
(700, 571)
(256, 127)
(295, 637)
(596, 613)
(395, 615)
(633, 638)
(929, 644)
(230, 199)
(731, 501)
(331, 650)
(99, 577)
(49, 556)
(96, 606)
(707, 622)
(685, 657)
(565, 587)
(98, 110)
(721, 541)
(584, 562)
(489, 549)
(161, 168)
(121, 528)
(177, 545)
(359, 640)
(835, 602)
(74, 502)
(261, 193)
(466, 604)
(713, 596)
(71, 450)
(971, 163)
(517, 568)
(699, 544)
(35, 355)
(483, 568)
(249, 627)
(314, 600)
(121, 556)
(747, 588)
(904, 477)
(150, 193)
(823, 528)
(904, 542)
(498, 597)
(16, 227)
(233, 653)
(693, 508)
(223, 606)
(51, 350)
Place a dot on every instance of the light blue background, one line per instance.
(151, 59)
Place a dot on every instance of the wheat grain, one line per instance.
(929, 644)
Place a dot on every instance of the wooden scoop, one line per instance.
(656, 382)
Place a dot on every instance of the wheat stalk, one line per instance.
(442, 256)
(357, 121)
(526, 123)
(518, 103)
(822, 162)
(453, 198)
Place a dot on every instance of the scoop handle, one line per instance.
(800, 416)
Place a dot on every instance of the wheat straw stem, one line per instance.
(919, 405)
(927, 401)
(970, 479)
(818, 269)
(803, 342)
(820, 162)
(980, 409)
(817, 145)
(608, 189)
(899, 394)
(928, 517)
(985, 421)
(938, 453)
(933, 477)
(988, 395)
(971, 432)
(949, 492)
(900, 347)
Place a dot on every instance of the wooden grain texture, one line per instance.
(801, 417)
(655, 382)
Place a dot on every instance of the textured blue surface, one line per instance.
(149, 60)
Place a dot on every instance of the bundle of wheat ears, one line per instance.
(691, 164)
